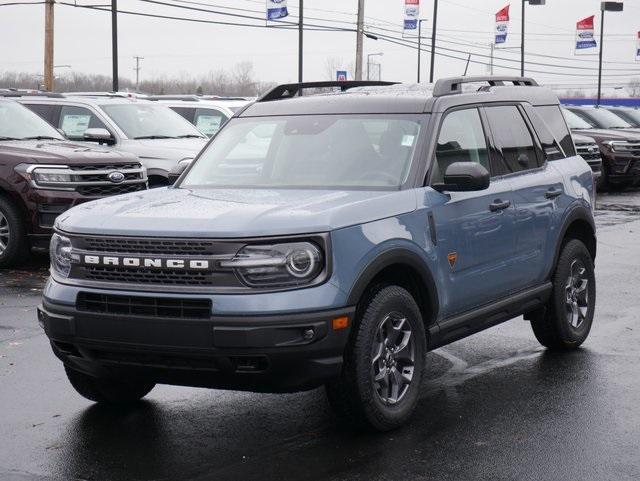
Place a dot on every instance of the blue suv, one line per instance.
(332, 239)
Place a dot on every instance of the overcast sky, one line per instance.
(83, 39)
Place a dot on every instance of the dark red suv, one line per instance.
(42, 175)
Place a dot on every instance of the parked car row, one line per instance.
(84, 146)
(616, 132)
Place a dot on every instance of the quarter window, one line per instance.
(552, 116)
(514, 143)
(461, 139)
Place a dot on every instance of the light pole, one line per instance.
(419, 46)
(605, 7)
(433, 40)
(300, 38)
(531, 2)
(380, 54)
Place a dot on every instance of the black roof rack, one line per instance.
(287, 91)
(24, 93)
(452, 86)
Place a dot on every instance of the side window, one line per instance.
(552, 116)
(513, 140)
(461, 139)
(44, 111)
(185, 112)
(209, 121)
(74, 121)
(551, 147)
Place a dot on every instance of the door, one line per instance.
(536, 186)
(474, 231)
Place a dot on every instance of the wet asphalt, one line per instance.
(495, 406)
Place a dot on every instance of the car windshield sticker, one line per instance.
(75, 125)
(208, 124)
(407, 140)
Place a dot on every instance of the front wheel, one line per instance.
(13, 238)
(108, 391)
(566, 321)
(383, 363)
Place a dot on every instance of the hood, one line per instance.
(582, 139)
(601, 135)
(59, 152)
(232, 213)
(166, 149)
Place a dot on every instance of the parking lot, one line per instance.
(495, 406)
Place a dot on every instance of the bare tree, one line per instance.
(634, 87)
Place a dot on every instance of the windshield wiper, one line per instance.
(40, 137)
(2, 137)
(144, 137)
(190, 136)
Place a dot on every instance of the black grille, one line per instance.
(106, 190)
(158, 246)
(106, 167)
(583, 151)
(144, 306)
(147, 276)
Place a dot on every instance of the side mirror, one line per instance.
(177, 170)
(464, 177)
(99, 135)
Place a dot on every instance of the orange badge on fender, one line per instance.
(452, 258)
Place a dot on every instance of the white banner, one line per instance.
(502, 25)
(411, 17)
(276, 9)
(585, 36)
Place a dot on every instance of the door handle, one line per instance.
(498, 205)
(553, 193)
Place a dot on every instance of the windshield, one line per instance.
(575, 122)
(310, 151)
(603, 119)
(631, 116)
(144, 121)
(19, 123)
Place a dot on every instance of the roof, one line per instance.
(398, 98)
(82, 100)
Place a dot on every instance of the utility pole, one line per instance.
(137, 69)
(419, 46)
(48, 45)
(493, 48)
(433, 40)
(359, 39)
(114, 43)
(300, 38)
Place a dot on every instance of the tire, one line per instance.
(14, 248)
(356, 397)
(566, 322)
(107, 391)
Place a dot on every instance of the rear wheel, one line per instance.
(384, 363)
(108, 391)
(13, 237)
(566, 321)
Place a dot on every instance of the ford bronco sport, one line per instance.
(42, 175)
(333, 239)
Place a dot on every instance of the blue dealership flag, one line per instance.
(276, 9)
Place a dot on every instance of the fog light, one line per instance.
(308, 334)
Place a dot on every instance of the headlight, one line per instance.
(278, 265)
(46, 176)
(61, 256)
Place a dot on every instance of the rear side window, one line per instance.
(44, 111)
(552, 116)
(185, 112)
(551, 147)
(513, 140)
(74, 121)
(461, 139)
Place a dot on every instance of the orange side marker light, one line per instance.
(340, 323)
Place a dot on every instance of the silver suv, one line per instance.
(156, 134)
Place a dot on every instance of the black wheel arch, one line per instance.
(579, 224)
(403, 267)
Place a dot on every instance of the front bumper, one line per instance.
(622, 168)
(261, 353)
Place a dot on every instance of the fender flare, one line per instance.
(389, 257)
(578, 212)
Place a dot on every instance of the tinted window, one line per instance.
(552, 116)
(461, 139)
(209, 121)
(74, 121)
(514, 143)
(185, 112)
(44, 111)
